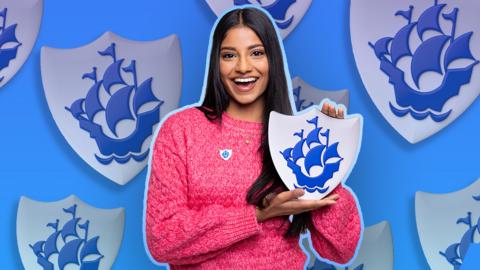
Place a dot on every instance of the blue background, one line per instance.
(36, 161)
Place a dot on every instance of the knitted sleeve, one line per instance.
(337, 228)
(175, 232)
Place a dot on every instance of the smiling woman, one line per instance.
(214, 199)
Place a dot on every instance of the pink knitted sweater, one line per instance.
(196, 213)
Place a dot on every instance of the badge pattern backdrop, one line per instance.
(36, 161)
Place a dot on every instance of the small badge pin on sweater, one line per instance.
(226, 154)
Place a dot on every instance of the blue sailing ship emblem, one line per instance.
(305, 95)
(73, 244)
(313, 151)
(278, 10)
(456, 227)
(68, 234)
(124, 104)
(300, 103)
(418, 61)
(320, 152)
(456, 252)
(427, 57)
(286, 13)
(7, 35)
(107, 97)
(19, 26)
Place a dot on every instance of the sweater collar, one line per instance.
(248, 126)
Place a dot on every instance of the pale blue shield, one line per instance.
(375, 252)
(286, 13)
(107, 98)
(306, 95)
(448, 226)
(68, 234)
(313, 151)
(19, 25)
(418, 60)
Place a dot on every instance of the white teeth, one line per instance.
(245, 80)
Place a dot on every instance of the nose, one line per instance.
(243, 65)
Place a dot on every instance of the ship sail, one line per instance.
(143, 94)
(451, 252)
(331, 152)
(427, 57)
(70, 228)
(287, 153)
(90, 248)
(51, 244)
(460, 48)
(314, 157)
(6, 55)
(381, 46)
(400, 47)
(76, 108)
(91, 265)
(467, 239)
(428, 20)
(37, 247)
(297, 150)
(278, 9)
(92, 101)
(8, 35)
(118, 108)
(312, 137)
(69, 253)
(112, 75)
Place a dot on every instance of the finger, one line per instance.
(300, 206)
(287, 196)
(341, 113)
(325, 108)
(332, 197)
(331, 111)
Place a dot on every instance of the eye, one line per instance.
(227, 55)
(258, 53)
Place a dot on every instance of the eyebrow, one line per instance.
(249, 47)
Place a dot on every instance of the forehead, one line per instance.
(241, 37)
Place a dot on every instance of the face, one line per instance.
(243, 67)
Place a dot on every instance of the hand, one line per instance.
(329, 109)
(286, 203)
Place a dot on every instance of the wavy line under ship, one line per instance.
(427, 57)
(317, 155)
(76, 250)
(117, 109)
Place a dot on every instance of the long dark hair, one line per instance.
(275, 99)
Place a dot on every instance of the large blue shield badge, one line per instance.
(107, 98)
(448, 226)
(306, 95)
(19, 25)
(375, 252)
(313, 151)
(286, 13)
(68, 234)
(418, 60)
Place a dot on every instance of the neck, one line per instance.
(251, 112)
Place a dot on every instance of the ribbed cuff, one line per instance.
(241, 223)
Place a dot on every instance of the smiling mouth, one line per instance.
(245, 84)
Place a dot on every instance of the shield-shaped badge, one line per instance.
(418, 60)
(68, 234)
(286, 13)
(447, 225)
(375, 252)
(107, 98)
(313, 151)
(306, 95)
(19, 26)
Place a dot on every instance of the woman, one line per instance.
(214, 199)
